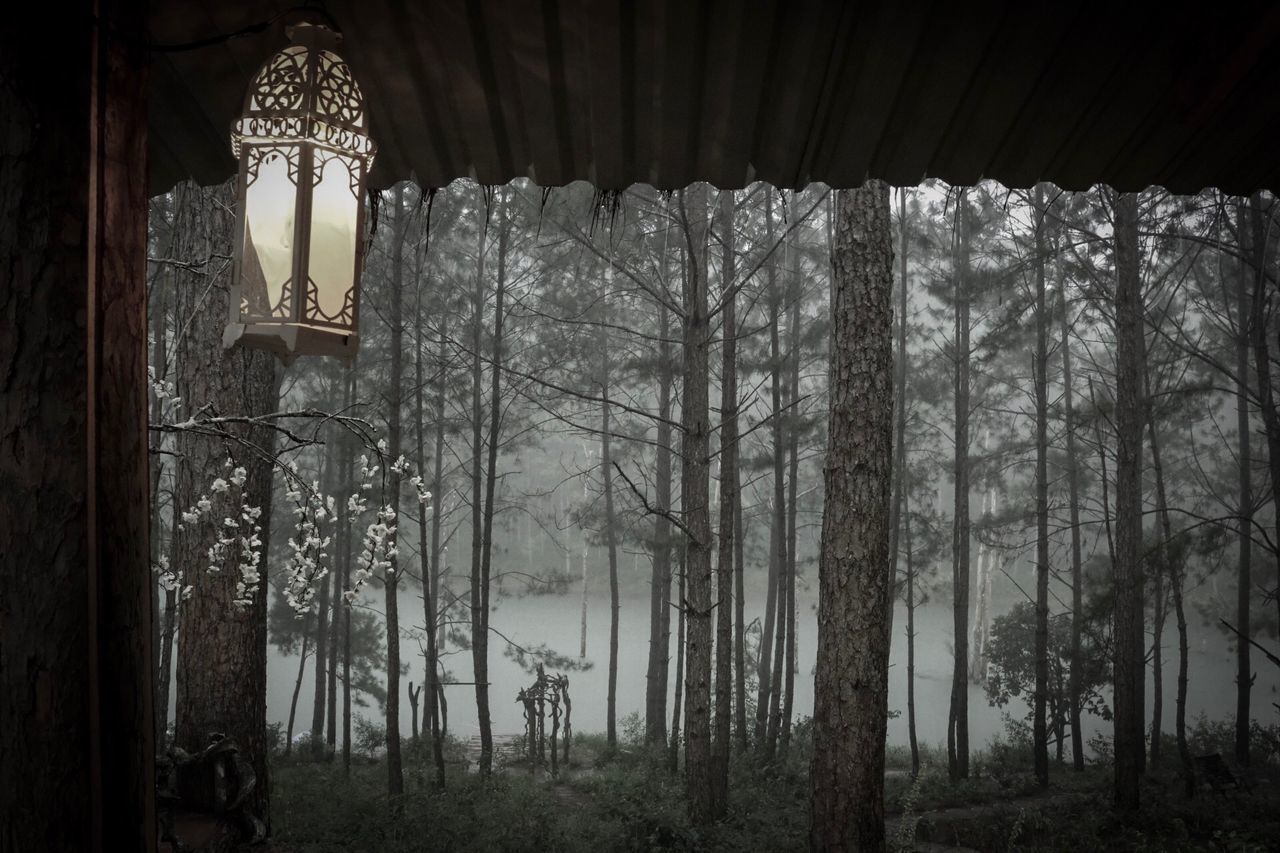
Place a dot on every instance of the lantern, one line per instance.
(304, 153)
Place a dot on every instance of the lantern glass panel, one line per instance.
(270, 204)
(335, 220)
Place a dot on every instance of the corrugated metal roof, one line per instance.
(1131, 94)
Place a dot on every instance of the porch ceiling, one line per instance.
(1182, 95)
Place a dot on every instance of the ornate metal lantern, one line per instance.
(304, 153)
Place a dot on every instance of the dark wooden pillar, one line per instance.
(76, 740)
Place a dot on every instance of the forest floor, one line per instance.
(626, 799)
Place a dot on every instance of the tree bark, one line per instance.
(728, 503)
(76, 698)
(739, 630)
(479, 622)
(1262, 357)
(673, 753)
(222, 650)
(391, 586)
(1128, 632)
(911, 641)
(344, 553)
(1173, 567)
(428, 549)
(297, 683)
(899, 408)
(696, 510)
(793, 481)
(764, 661)
(1244, 540)
(611, 545)
(660, 591)
(958, 716)
(851, 685)
(480, 640)
(1040, 730)
(323, 664)
(1074, 686)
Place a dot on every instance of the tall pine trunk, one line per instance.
(345, 531)
(319, 705)
(297, 683)
(391, 586)
(764, 659)
(911, 640)
(958, 715)
(660, 590)
(222, 650)
(793, 480)
(611, 545)
(426, 547)
(673, 750)
(1040, 731)
(899, 408)
(728, 503)
(1074, 685)
(1261, 354)
(490, 486)
(479, 613)
(851, 684)
(1244, 564)
(1171, 565)
(1128, 632)
(696, 509)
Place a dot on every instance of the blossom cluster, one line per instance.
(238, 534)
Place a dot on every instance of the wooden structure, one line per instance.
(94, 101)
(546, 699)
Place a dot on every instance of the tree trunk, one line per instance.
(606, 460)
(764, 659)
(480, 641)
(1074, 686)
(1244, 564)
(673, 754)
(911, 641)
(696, 510)
(159, 321)
(413, 712)
(1262, 357)
(778, 529)
(660, 591)
(1172, 566)
(728, 503)
(395, 401)
(344, 553)
(793, 480)
(1129, 636)
(76, 724)
(739, 629)
(479, 624)
(851, 685)
(437, 486)
(297, 683)
(323, 664)
(958, 716)
(427, 549)
(1040, 730)
(899, 409)
(222, 650)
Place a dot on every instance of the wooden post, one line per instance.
(76, 719)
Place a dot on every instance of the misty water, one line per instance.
(555, 620)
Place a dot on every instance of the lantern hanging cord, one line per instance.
(222, 38)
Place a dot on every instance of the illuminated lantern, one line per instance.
(304, 153)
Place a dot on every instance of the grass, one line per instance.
(625, 799)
